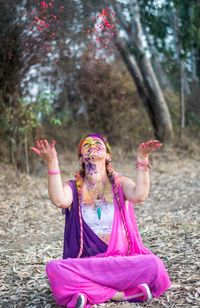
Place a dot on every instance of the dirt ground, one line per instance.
(32, 230)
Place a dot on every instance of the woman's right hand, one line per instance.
(45, 149)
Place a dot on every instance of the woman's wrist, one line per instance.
(52, 164)
(142, 162)
(142, 157)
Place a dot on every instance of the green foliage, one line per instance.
(19, 123)
(173, 104)
(26, 116)
(193, 119)
(172, 23)
(193, 112)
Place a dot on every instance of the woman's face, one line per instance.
(93, 147)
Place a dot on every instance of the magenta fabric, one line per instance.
(118, 245)
(99, 277)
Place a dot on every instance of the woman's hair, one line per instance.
(109, 170)
(113, 177)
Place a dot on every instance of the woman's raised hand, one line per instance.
(144, 149)
(45, 149)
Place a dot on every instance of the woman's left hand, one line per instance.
(144, 149)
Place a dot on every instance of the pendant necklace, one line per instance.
(98, 202)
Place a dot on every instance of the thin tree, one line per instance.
(133, 48)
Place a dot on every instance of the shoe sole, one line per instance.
(80, 302)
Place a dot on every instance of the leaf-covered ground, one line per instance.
(32, 230)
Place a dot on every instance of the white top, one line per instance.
(102, 225)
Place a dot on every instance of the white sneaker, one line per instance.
(149, 294)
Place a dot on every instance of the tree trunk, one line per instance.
(182, 96)
(181, 71)
(151, 95)
(156, 98)
(194, 65)
(135, 73)
(26, 154)
(160, 73)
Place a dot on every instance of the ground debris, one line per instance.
(32, 234)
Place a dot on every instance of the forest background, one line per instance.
(128, 69)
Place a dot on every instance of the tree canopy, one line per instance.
(69, 51)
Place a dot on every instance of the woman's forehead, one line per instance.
(92, 139)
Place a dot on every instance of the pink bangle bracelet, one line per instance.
(53, 172)
(143, 165)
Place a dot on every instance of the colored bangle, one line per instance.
(143, 165)
(53, 172)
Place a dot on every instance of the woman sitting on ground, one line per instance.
(104, 257)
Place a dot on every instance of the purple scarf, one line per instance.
(92, 244)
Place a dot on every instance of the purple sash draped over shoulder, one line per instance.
(92, 244)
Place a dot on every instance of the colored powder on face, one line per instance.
(90, 167)
(95, 135)
(91, 139)
(91, 144)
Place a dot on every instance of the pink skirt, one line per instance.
(100, 278)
